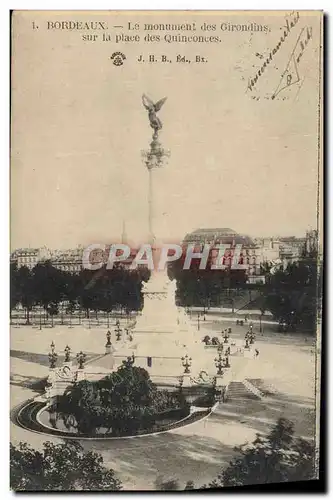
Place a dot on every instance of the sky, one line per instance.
(238, 158)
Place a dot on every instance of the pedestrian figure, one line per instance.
(257, 352)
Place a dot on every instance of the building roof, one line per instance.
(219, 235)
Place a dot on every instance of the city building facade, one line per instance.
(250, 255)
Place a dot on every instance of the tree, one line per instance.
(279, 457)
(26, 290)
(82, 401)
(48, 283)
(291, 294)
(53, 310)
(129, 395)
(14, 286)
(124, 402)
(61, 467)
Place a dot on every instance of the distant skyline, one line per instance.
(252, 236)
(79, 127)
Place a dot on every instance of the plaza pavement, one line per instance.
(196, 452)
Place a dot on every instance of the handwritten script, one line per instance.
(288, 27)
(290, 75)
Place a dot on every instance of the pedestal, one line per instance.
(247, 352)
(162, 334)
(220, 381)
(80, 375)
(109, 349)
(186, 380)
(51, 378)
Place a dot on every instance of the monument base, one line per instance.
(163, 335)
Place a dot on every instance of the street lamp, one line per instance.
(53, 359)
(219, 364)
(81, 358)
(67, 353)
(129, 361)
(118, 330)
(186, 362)
(108, 339)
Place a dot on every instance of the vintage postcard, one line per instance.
(166, 249)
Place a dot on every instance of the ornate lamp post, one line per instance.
(108, 339)
(67, 354)
(219, 364)
(118, 330)
(186, 362)
(129, 361)
(53, 359)
(81, 358)
(252, 338)
(108, 344)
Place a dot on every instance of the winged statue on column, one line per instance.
(152, 109)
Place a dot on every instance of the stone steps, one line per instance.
(238, 390)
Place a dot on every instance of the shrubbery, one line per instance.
(123, 403)
(61, 467)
